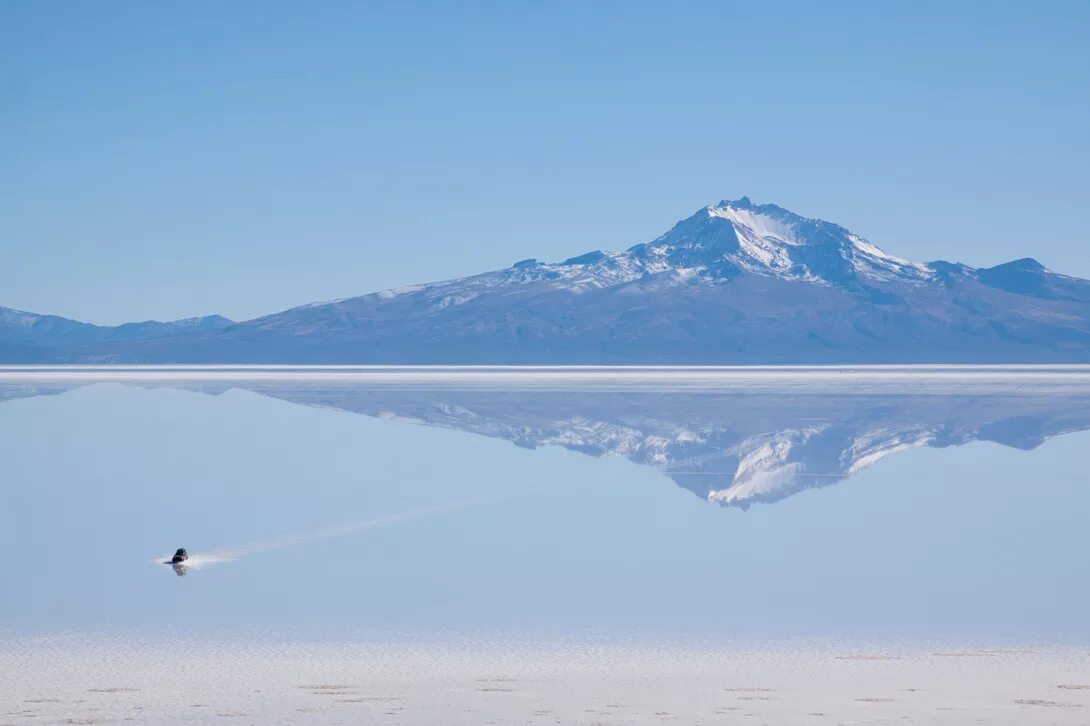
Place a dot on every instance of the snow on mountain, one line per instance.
(707, 248)
(712, 244)
(769, 240)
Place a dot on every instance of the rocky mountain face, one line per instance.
(735, 283)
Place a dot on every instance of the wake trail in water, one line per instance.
(230, 554)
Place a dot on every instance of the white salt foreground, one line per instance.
(99, 680)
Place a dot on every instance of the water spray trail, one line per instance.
(229, 554)
(290, 540)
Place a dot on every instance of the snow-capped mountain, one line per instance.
(737, 282)
(724, 238)
(710, 247)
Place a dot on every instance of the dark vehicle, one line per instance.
(179, 557)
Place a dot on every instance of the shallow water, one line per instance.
(627, 509)
(577, 546)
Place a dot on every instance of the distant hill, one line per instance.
(735, 283)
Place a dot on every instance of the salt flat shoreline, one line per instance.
(74, 679)
(908, 367)
(928, 379)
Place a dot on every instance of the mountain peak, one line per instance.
(740, 203)
(745, 204)
(769, 240)
(1027, 264)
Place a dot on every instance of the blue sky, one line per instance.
(165, 159)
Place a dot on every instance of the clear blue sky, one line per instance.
(166, 159)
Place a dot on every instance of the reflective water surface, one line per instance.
(927, 505)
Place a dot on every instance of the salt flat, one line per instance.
(533, 550)
(87, 681)
(932, 379)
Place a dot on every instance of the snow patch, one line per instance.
(393, 292)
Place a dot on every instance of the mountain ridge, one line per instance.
(736, 282)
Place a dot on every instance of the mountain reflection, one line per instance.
(734, 448)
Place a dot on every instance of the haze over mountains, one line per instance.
(735, 283)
